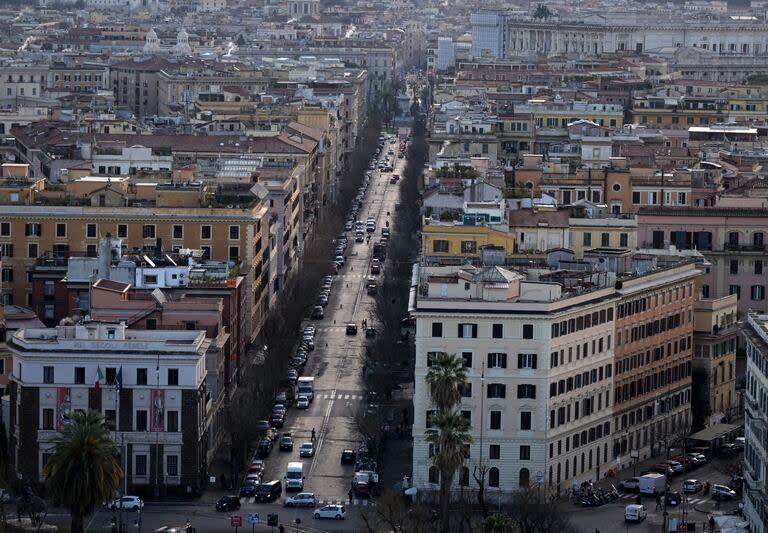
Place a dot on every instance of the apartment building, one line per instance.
(154, 397)
(539, 366)
(235, 231)
(714, 352)
(732, 239)
(756, 423)
(653, 362)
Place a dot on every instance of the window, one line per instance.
(468, 247)
(172, 465)
(497, 331)
(205, 232)
(141, 420)
(464, 476)
(465, 389)
(111, 375)
(437, 329)
(122, 232)
(234, 233)
(178, 231)
(48, 419)
(141, 376)
(173, 376)
(527, 331)
(5, 229)
(623, 240)
(79, 375)
(587, 239)
(467, 331)
(735, 289)
(91, 231)
(150, 323)
(110, 419)
(7, 275)
(525, 420)
(434, 475)
(758, 267)
(32, 250)
(493, 477)
(440, 246)
(33, 229)
(467, 357)
(497, 390)
(234, 253)
(494, 451)
(206, 252)
(525, 453)
(526, 391)
(428, 418)
(61, 230)
(148, 231)
(758, 292)
(497, 360)
(526, 360)
(48, 374)
(636, 197)
(734, 266)
(495, 420)
(605, 239)
(6, 250)
(141, 465)
(173, 421)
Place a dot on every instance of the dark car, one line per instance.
(269, 491)
(248, 489)
(672, 498)
(317, 312)
(729, 449)
(286, 442)
(265, 446)
(348, 457)
(351, 328)
(228, 503)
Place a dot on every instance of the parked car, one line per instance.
(228, 503)
(721, 492)
(348, 457)
(286, 442)
(256, 467)
(307, 450)
(302, 499)
(336, 512)
(265, 446)
(317, 312)
(351, 328)
(729, 450)
(292, 377)
(375, 266)
(127, 502)
(277, 419)
(692, 486)
(248, 489)
(262, 425)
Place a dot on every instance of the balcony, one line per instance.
(736, 247)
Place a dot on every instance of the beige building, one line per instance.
(714, 339)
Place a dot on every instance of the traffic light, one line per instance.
(272, 519)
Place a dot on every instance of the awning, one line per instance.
(713, 432)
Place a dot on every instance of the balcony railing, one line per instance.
(744, 247)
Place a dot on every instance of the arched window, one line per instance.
(525, 478)
(464, 476)
(434, 475)
(493, 477)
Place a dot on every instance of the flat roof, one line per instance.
(712, 432)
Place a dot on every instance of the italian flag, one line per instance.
(99, 377)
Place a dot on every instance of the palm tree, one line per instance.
(451, 440)
(444, 378)
(84, 470)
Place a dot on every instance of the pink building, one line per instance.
(732, 239)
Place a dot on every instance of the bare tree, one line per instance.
(531, 511)
(479, 471)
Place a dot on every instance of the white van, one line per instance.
(635, 513)
(294, 476)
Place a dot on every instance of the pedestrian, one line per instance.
(350, 496)
(658, 502)
(313, 435)
(711, 524)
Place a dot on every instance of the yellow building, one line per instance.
(448, 242)
(714, 342)
(601, 231)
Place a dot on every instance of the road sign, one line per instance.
(253, 518)
(539, 476)
(236, 521)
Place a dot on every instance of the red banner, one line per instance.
(63, 407)
(157, 423)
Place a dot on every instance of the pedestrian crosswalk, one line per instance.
(360, 502)
(340, 397)
(690, 500)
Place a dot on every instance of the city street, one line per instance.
(336, 364)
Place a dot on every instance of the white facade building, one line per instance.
(756, 424)
(539, 402)
(160, 405)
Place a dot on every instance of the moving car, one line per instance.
(269, 491)
(635, 513)
(336, 512)
(672, 498)
(630, 484)
(351, 328)
(127, 502)
(302, 402)
(375, 266)
(307, 450)
(302, 499)
(692, 486)
(721, 492)
(348, 457)
(228, 503)
(286, 442)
